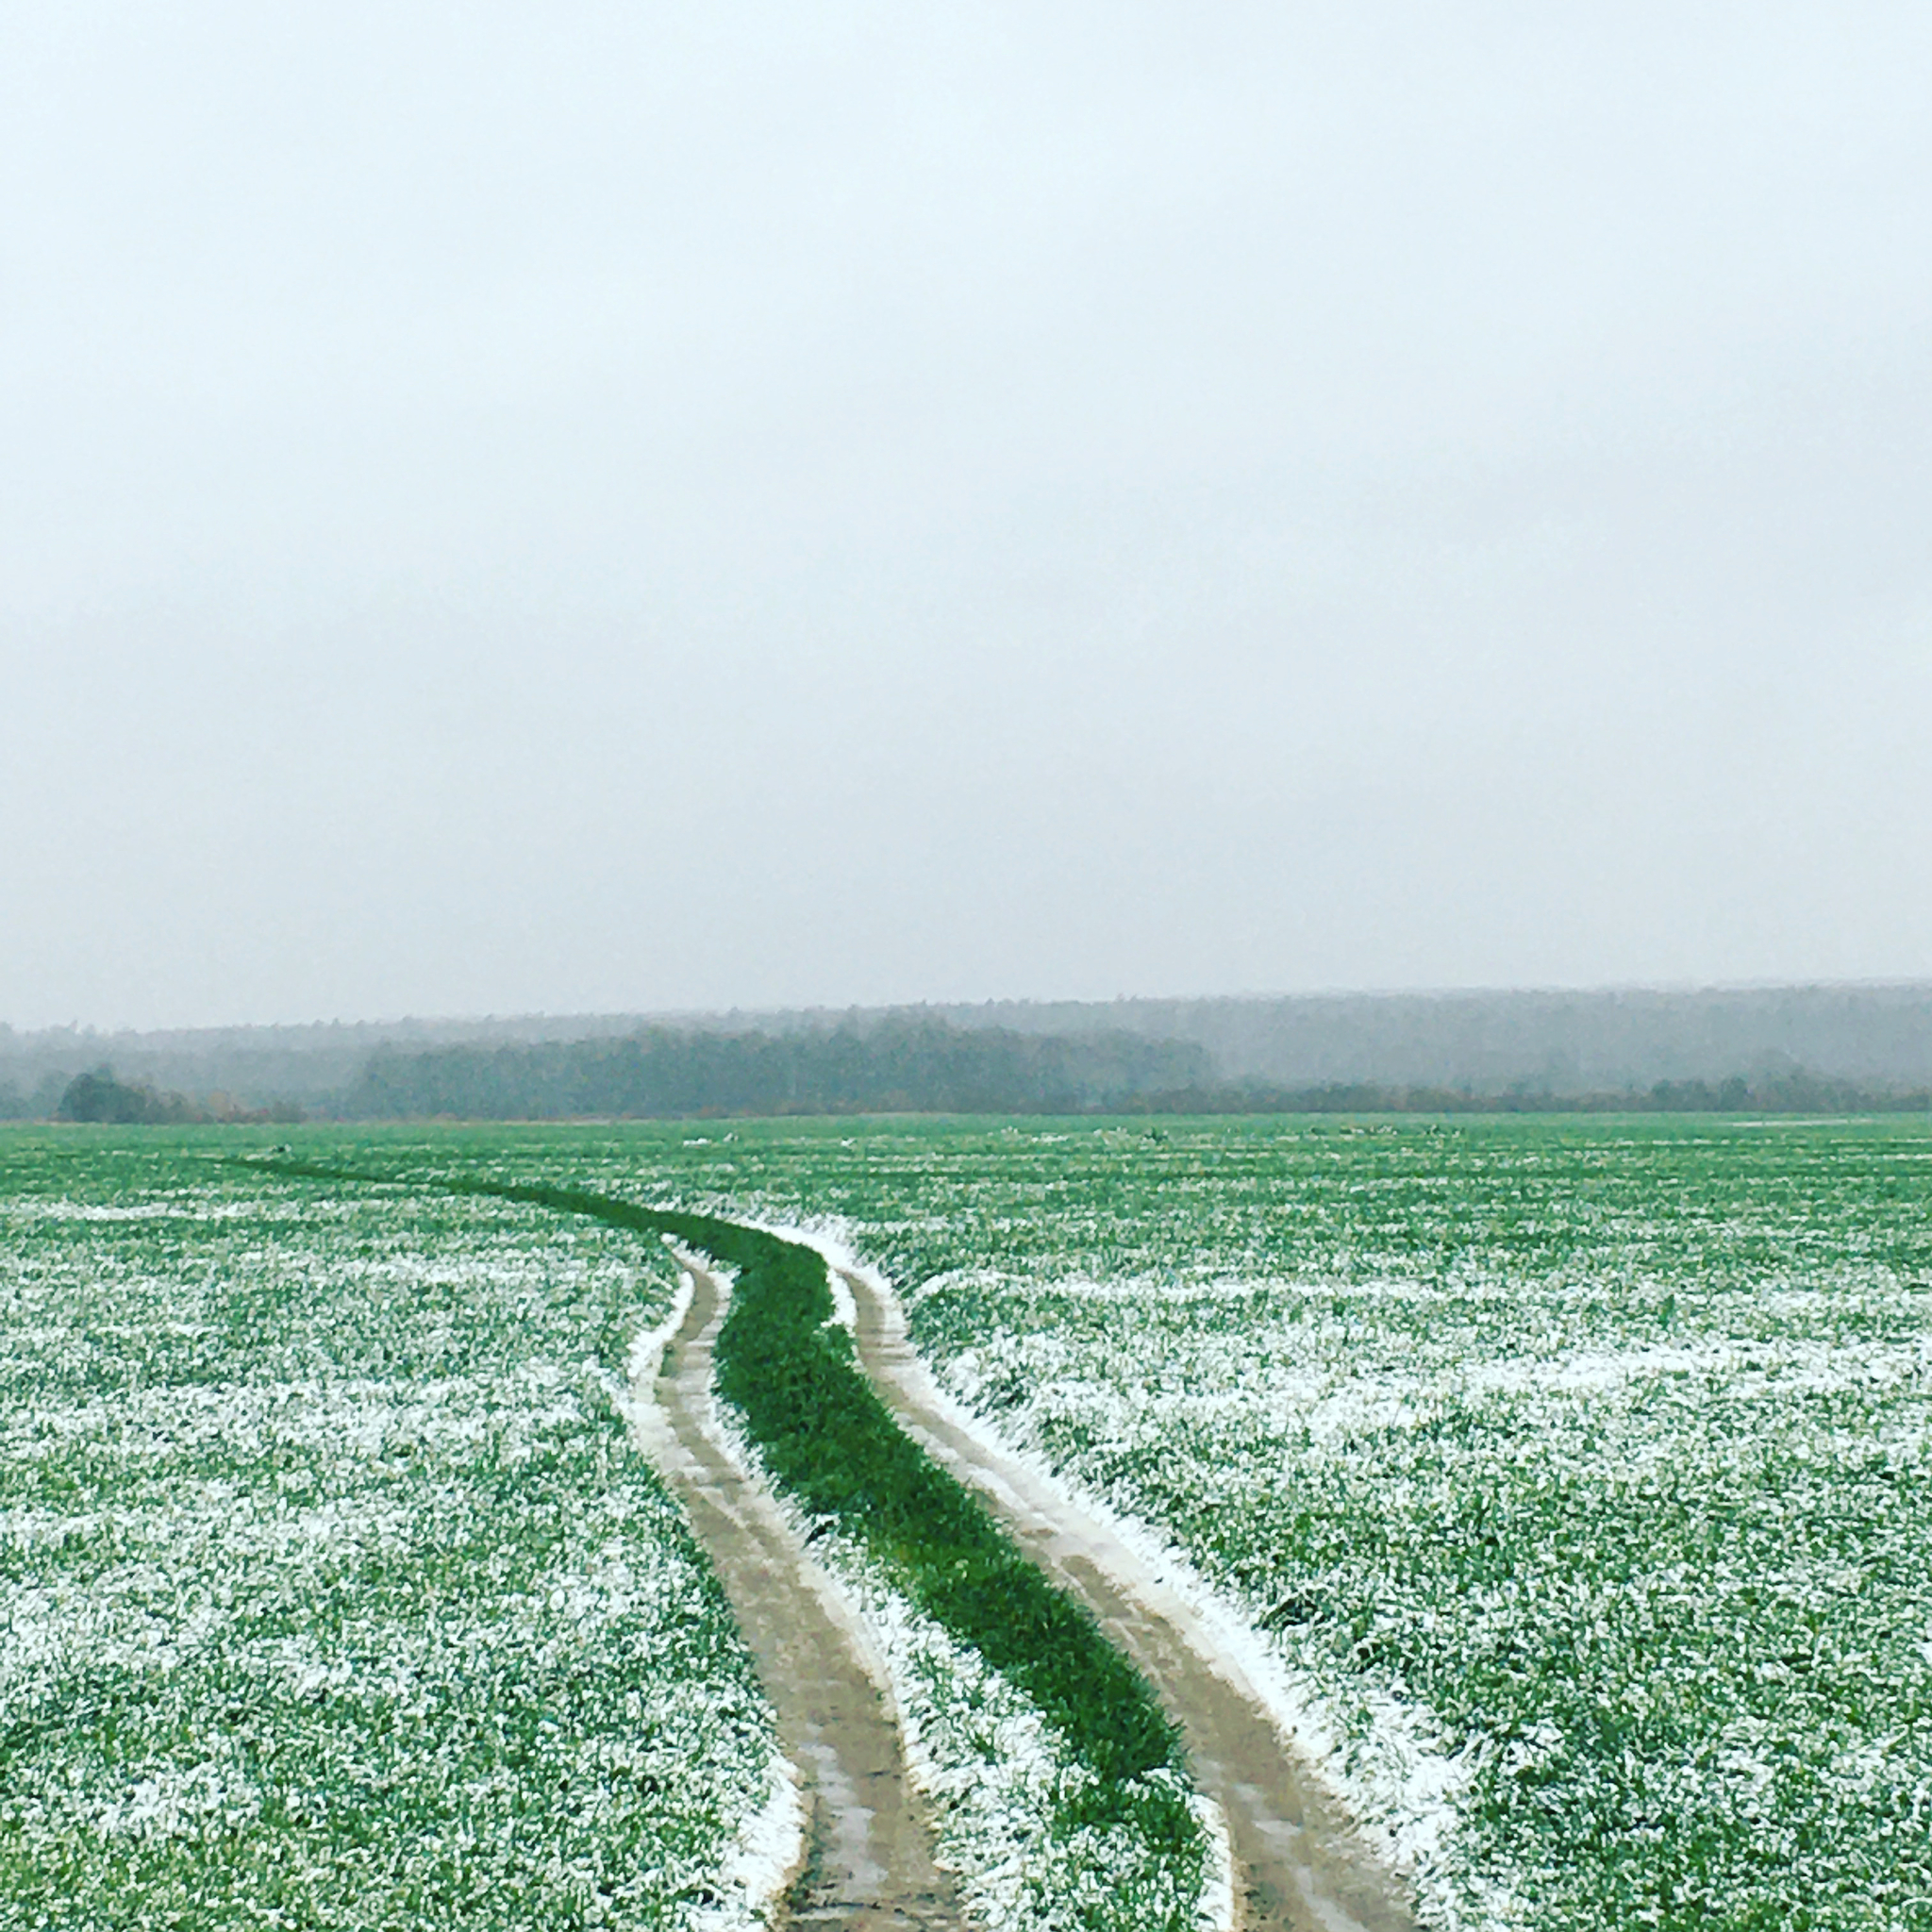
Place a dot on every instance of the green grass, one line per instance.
(331, 1593)
(833, 1449)
(1589, 1455)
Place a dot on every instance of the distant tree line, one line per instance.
(1528, 1049)
(37, 1103)
(1791, 1093)
(912, 1064)
(897, 1066)
(100, 1098)
(1615, 1042)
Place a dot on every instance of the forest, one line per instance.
(899, 1066)
(1767, 1051)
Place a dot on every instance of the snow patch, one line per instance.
(976, 1746)
(1399, 1784)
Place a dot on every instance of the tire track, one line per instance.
(1299, 1865)
(867, 1864)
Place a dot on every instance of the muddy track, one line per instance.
(868, 1863)
(1298, 1866)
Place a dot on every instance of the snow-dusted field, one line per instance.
(331, 1591)
(1570, 1480)
(1573, 1474)
(1004, 1795)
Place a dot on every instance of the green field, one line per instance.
(1573, 1473)
(1576, 1471)
(331, 1593)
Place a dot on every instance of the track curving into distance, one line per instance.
(869, 1863)
(1299, 1867)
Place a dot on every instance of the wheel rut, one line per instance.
(1298, 1864)
(868, 1865)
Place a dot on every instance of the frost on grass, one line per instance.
(1586, 1459)
(330, 1593)
(1010, 1799)
(1621, 1492)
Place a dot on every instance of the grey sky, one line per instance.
(507, 509)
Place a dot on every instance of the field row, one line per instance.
(334, 1595)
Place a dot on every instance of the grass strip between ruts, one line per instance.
(831, 1445)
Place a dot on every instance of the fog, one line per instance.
(640, 509)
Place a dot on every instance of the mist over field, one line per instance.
(966, 966)
(639, 511)
(1778, 1049)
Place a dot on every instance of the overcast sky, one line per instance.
(509, 508)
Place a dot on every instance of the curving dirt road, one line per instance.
(1298, 1866)
(868, 1861)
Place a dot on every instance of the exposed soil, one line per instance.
(1299, 1866)
(868, 1863)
